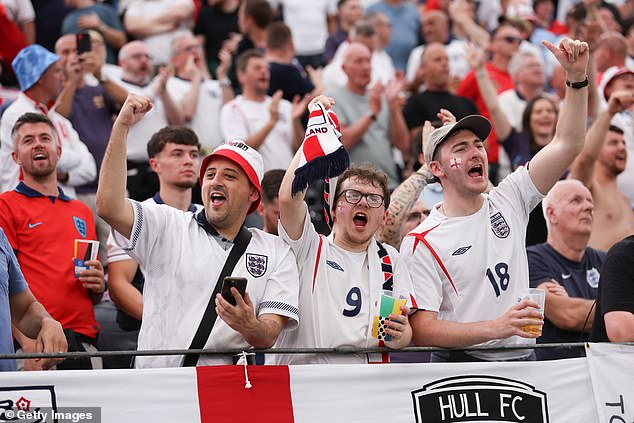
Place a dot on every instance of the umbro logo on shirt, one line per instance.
(334, 265)
(461, 250)
(33, 225)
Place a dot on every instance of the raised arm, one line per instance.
(399, 135)
(112, 205)
(476, 56)
(173, 112)
(73, 77)
(583, 166)
(406, 194)
(292, 208)
(551, 161)
(189, 102)
(92, 62)
(459, 11)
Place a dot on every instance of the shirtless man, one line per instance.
(602, 159)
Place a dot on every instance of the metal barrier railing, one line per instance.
(231, 352)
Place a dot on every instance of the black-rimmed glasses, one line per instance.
(353, 196)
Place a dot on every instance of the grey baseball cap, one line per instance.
(477, 124)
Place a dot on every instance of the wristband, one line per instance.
(578, 85)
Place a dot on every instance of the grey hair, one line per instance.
(517, 62)
(362, 28)
(175, 40)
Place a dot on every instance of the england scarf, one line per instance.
(322, 154)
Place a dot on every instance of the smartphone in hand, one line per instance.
(83, 42)
(227, 283)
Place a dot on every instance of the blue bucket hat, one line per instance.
(30, 63)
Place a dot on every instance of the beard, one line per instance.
(185, 184)
(615, 169)
(39, 172)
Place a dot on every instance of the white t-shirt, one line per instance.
(116, 253)
(182, 262)
(308, 21)
(241, 118)
(206, 120)
(76, 160)
(456, 52)
(19, 11)
(159, 45)
(141, 132)
(513, 107)
(338, 297)
(471, 268)
(333, 76)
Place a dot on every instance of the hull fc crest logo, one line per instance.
(256, 264)
(479, 399)
(499, 226)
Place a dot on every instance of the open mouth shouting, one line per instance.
(217, 199)
(476, 171)
(360, 220)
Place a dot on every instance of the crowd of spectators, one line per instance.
(149, 87)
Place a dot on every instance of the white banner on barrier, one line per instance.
(529, 392)
(612, 373)
(532, 392)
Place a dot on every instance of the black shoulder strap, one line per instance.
(209, 318)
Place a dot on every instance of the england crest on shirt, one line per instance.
(256, 264)
(499, 226)
(592, 277)
(80, 225)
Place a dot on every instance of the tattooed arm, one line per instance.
(405, 195)
(402, 201)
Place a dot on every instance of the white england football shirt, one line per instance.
(181, 262)
(338, 297)
(470, 268)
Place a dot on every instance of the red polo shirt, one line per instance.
(42, 231)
